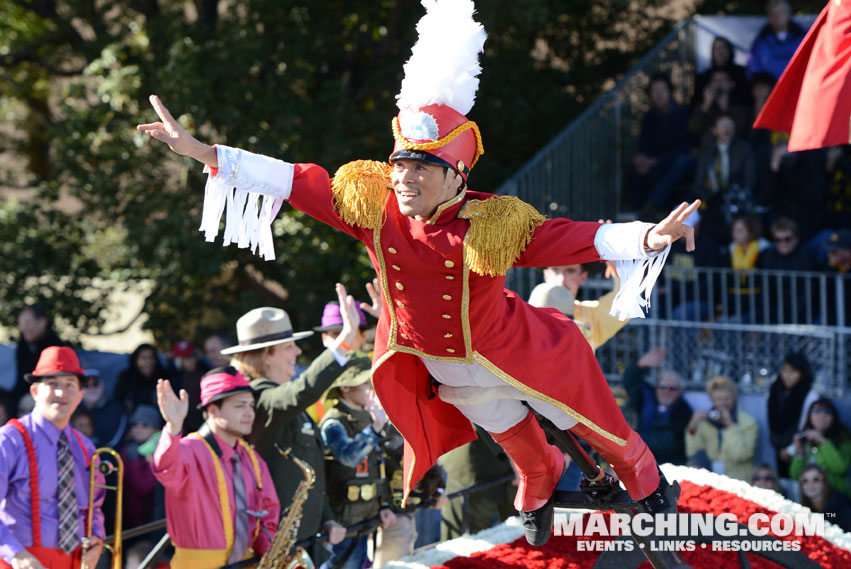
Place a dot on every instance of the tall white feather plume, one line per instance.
(444, 62)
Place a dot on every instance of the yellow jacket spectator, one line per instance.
(724, 438)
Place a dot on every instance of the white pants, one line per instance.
(499, 415)
(396, 541)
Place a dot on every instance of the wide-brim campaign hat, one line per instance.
(263, 327)
(220, 383)
(55, 361)
(355, 373)
(551, 295)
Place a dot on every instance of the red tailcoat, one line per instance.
(435, 307)
(812, 99)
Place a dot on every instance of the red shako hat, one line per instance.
(55, 361)
(439, 89)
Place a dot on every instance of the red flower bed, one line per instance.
(561, 552)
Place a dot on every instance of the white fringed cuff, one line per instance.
(242, 179)
(637, 268)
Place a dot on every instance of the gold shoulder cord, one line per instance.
(500, 230)
(360, 190)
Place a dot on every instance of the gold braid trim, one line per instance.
(452, 135)
(500, 230)
(360, 189)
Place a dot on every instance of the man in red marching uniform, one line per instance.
(812, 99)
(44, 475)
(441, 252)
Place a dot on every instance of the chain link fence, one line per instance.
(750, 355)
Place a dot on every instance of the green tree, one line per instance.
(306, 81)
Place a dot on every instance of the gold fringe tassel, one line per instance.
(500, 230)
(360, 190)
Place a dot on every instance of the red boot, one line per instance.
(634, 464)
(539, 466)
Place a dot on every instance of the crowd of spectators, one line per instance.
(795, 206)
(127, 418)
(811, 443)
(763, 208)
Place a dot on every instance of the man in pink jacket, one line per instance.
(221, 505)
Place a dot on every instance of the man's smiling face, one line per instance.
(421, 187)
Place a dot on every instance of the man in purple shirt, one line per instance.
(42, 454)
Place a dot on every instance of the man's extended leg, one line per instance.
(633, 462)
(539, 468)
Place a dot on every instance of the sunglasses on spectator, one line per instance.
(816, 480)
(667, 386)
(785, 239)
(822, 410)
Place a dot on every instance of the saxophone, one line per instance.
(279, 555)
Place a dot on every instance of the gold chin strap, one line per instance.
(463, 127)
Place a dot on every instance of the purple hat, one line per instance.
(332, 319)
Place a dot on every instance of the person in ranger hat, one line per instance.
(441, 252)
(44, 475)
(266, 353)
(221, 505)
(355, 466)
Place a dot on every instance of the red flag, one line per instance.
(812, 99)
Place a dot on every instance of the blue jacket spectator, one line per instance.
(662, 412)
(777, 41)
(110, 422)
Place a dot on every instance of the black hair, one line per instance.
(828, 489)
(763, 78)
(836, 430)
(225, 338)
(37, 310)
(730, 49)
(800, 362)
(661, 77)
(80, 412)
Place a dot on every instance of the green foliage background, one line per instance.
(306, 81)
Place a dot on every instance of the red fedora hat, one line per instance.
(56, 360)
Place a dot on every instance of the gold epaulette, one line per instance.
(360, 190)
(500, 230)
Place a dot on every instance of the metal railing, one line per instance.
(740, 324)
(360, 528)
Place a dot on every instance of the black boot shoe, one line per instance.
(538, 524)
(664, 499)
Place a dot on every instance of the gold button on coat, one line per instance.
(400, 286)
(447, 297)
(396, 267)
(450, 350)
(450, 278)
(447, 316)
(403, 336)
(400, 304)
(391, 250)
(447, 335)
(449, 264)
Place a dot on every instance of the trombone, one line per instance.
(106, 467)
